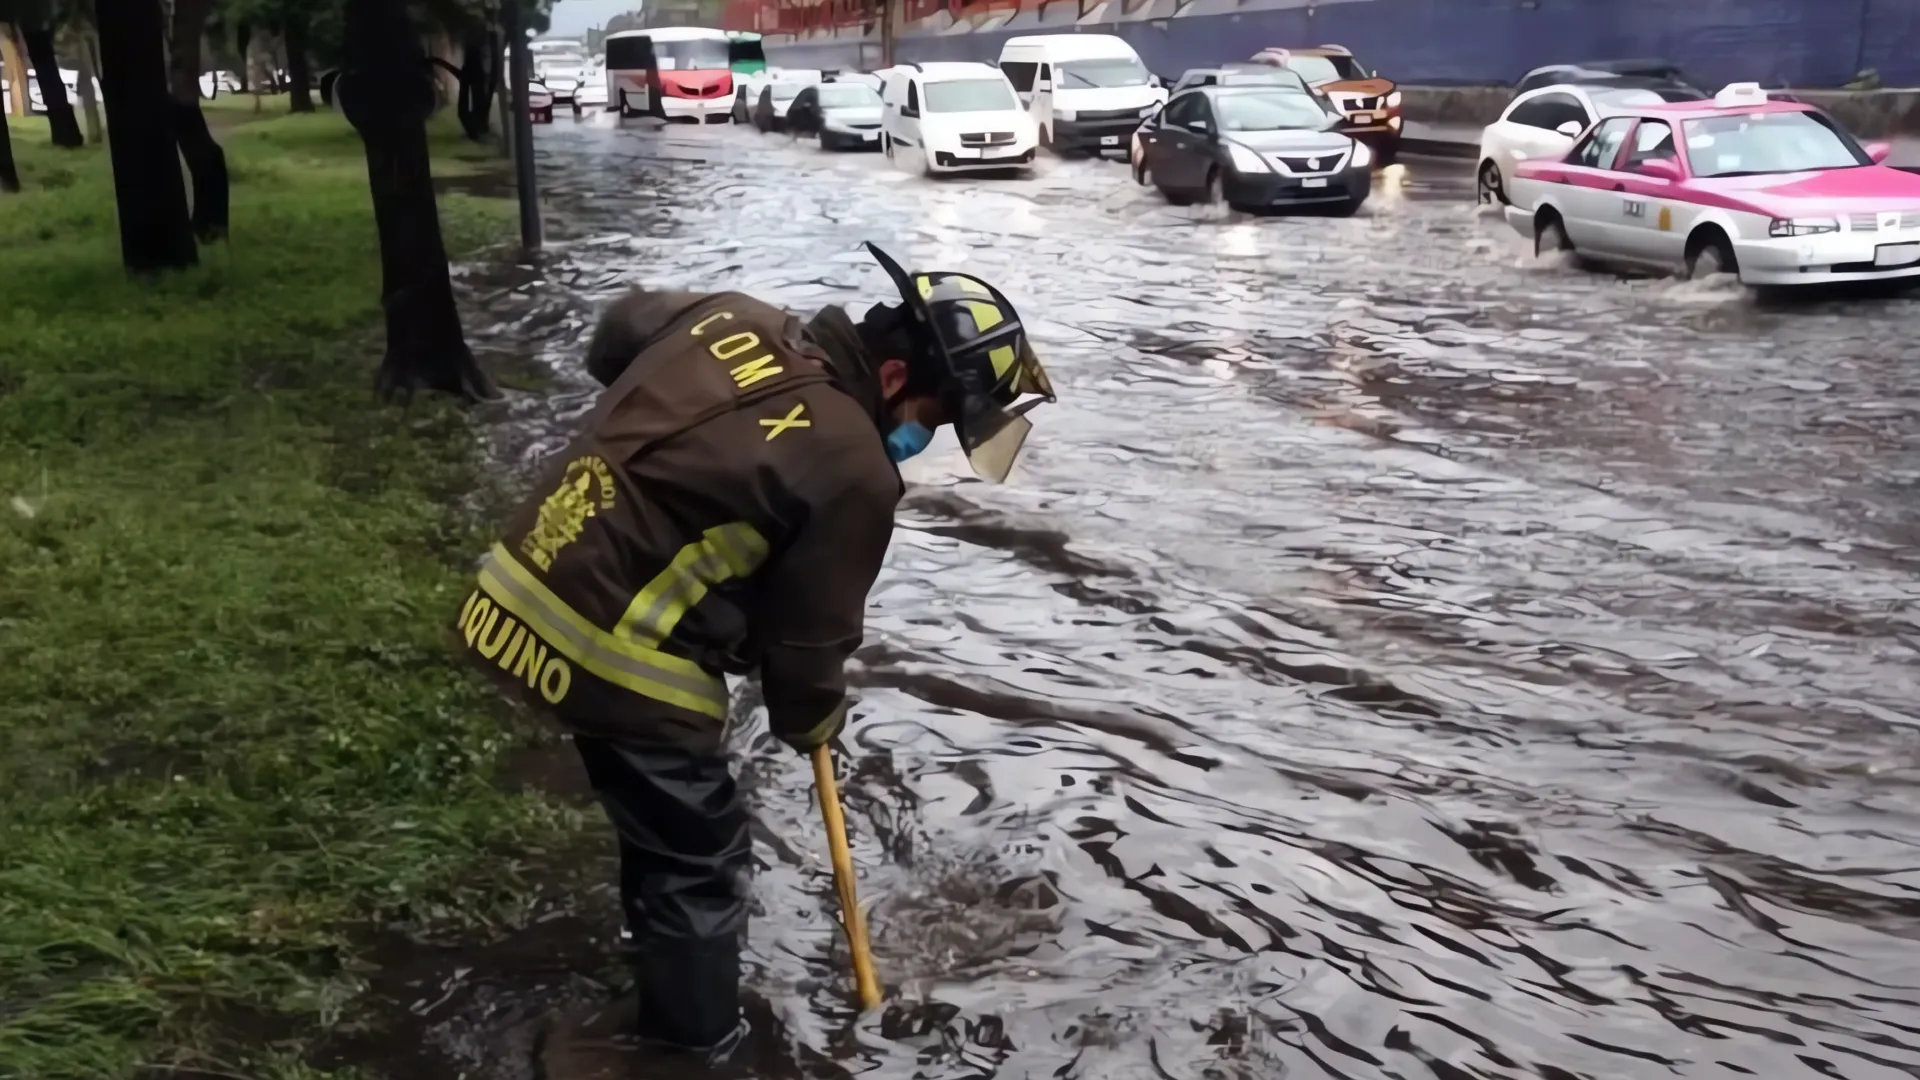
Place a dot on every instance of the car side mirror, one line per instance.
(1042, 84)
(1659, 168)
(1877, 152)
(1571, 129)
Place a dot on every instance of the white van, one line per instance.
(955, 117)
(1087, 92)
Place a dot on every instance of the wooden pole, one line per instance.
(865, 981)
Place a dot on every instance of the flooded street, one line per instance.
(1394, 658)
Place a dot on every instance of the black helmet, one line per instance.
(975, 356)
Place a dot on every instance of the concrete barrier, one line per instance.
(1869, 114)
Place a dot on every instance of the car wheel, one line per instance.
(1215, 194)
(1710, 254)
(886, 146)
(1488, 189)
(1550, 236)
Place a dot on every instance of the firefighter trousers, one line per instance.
(684, 851)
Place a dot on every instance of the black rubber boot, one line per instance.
(690, 994)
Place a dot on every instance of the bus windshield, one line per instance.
(642, 53)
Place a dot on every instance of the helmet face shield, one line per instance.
(986, 366)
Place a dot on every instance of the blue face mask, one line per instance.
(908, 439)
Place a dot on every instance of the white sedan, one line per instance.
(1542, 123)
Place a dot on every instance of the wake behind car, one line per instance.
(1254, 147)
(844, 115)
(1370, 104)
(1773, 191)
(1544, 121)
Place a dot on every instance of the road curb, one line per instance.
(1450, 149)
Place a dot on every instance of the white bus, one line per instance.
(672, 72)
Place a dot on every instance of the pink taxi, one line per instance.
(1771, 190)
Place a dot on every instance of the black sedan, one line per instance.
(770, 112)
(1253, 148)
(844, 115)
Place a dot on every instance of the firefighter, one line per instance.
(725, 512)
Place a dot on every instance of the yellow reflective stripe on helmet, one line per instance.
(1002, 358)
(925, 284)
(648, 672)
(985, 315)
(734, 550)
(971, 285)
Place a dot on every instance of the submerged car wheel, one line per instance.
(1488, 189)
(1708, 253)
(1215, 193)
(1141, 175)
(1550, 236)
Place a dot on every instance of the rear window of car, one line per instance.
(969, 95)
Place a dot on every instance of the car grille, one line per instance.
(1350, 103)
(1098, 115)
(986, 138)
(685, 91)
(1874, 222)
(1311, 164)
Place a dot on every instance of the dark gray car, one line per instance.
(845, 115)
(1253, 148)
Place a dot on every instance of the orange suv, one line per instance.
(1370, 103)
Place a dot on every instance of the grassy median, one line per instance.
(230, 729)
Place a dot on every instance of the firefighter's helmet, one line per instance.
(976, 357)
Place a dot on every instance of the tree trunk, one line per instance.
(205, 160)
(476, 86)
(53, 92)
(9, 175)
(148, 192)
(387, 93)
(89, 71)
(242, 38)
(299, 75)
(14, 56)
(326, 87)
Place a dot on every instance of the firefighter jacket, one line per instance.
(726, 510)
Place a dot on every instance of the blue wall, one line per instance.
(1787, 43)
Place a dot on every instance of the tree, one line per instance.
(9, 174)
(155, 232)
(205, 160)
(386, 91)
(53, 90)
(13, 57)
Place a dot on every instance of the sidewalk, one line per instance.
(1462, 142)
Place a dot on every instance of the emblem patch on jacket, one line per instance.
(586, 488)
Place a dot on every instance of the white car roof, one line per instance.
(948, 70)
(1073, 46)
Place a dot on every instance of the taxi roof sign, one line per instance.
(1737, 94)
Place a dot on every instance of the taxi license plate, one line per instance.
(1362, 118)
(1896, 254)
(1109, 140)
(1318, 181)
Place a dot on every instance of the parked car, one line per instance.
(1370, 103)
(539, 103)
(1086, 92)
(956, 117)
(1253, 147)
(1597, 71)
(870, 79)
(1773, 191)
(1544, 122)
(843, 115)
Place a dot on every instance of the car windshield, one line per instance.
(1266, 110)
(848, 96)
(1325, 69)
(1079, 74)
(969, 95)
(692, 55)
(1748, 144)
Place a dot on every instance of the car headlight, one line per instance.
(1362, 156)
(1245, 160)
(1393, 100)
(1802, 226)
(1064, 114)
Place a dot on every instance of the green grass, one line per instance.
(231, 729)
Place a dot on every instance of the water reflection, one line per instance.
(1392, 661)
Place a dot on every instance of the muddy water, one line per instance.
(1396, 658)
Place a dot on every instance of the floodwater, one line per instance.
(1395, 657)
